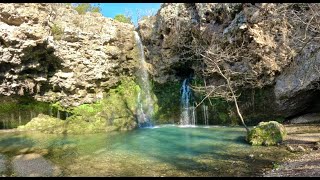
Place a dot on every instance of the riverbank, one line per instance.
(304, 141)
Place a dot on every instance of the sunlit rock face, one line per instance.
(278, 50)
(54, 54)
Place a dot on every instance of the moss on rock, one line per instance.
(267, 133)
(168, 102)
(51, 125)
(116, 111)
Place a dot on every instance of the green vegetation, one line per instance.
(116, 111)
(82, 8)
(57, 31)
(20, 110)
(267, 133)
(122, 18)
(257, 105)
(168, 95)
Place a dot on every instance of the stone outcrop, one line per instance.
(267, 133)
(54, 54)
(268, 45)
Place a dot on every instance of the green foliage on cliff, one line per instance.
(82, 8)
(19, 110)
(117, 108)
(168, 100)
(57, 31)
(116, 111)
(122, 18)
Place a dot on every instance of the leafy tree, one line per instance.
(122, 18)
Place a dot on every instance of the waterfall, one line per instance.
(19, 118)
(205, 114)
(188, 115)
(145, 102)
(12, 120)
(58, 114)
(50, 111)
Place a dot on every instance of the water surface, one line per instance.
(165, 150)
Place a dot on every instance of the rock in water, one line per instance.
(33, 165)
(267, 133)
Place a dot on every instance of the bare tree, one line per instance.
(298, 25)
(216, 60)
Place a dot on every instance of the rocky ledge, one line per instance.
(54, 54)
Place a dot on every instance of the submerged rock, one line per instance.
(267, 133)
(34, 165)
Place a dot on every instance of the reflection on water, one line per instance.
(160, 151)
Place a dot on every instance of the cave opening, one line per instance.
(310, 103)
(183, 71)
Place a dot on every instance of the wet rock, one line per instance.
(267, 133)
(34, 165)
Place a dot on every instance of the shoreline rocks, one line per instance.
(267, 133)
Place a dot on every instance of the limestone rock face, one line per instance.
(54, 54)
(265, 44)
(267, 133)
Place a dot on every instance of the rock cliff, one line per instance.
(264, 45)
(52, 53)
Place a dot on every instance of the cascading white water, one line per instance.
(145, 102)
(19, 118)
(58, 114)
(188, 115)
(205, 114)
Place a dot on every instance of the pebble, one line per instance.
(289, 148)
(301, 149)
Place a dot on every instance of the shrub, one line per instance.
(82, 8)
(57, 31)
(122, 18)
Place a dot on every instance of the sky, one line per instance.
(135, 10)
